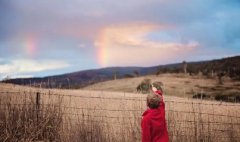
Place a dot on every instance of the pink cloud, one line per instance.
(127, 45)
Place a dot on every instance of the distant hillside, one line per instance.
(83, 78)
(227, 66)
(220, 67)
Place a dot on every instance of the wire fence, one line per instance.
(39, 95)
(188, 121)
(115, 98)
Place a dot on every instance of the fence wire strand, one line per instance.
(119, 119)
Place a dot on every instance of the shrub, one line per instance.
(144, 86)
(228, 97)
(201, 96)
(158, 85)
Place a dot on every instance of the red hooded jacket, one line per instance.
(154, 127)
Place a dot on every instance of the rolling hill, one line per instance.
(228, 66)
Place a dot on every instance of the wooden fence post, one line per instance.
(38, 100)
(38, 104)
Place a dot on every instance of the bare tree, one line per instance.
(220, 75)
(185, 67)
(136, 73)
(115, 75)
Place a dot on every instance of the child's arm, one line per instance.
(157, 92)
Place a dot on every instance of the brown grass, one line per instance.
(99, 116)
(174, 84)
(26, 122)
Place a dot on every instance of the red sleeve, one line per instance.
(158, 92)
(146, 137)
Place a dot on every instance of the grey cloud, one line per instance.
(196, 20)
(56, 17)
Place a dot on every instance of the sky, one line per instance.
(49, 37)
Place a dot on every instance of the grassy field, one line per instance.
(174, 85)
(111, 111)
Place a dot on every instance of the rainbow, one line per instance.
(30, 46)
(102, 49)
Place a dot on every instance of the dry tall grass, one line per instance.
(27, 122)
(95, 116)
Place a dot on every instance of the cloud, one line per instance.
(130, 45)
(158, 29)
(16, 76)
(31, 66)
(81, 45)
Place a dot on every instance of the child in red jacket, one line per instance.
(154, 127)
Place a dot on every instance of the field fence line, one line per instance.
(124, 110)
(183, 124)
(115, 110)
(118, 98)
(217, 103)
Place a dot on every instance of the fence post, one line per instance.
(38, 100)
(37, 104)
